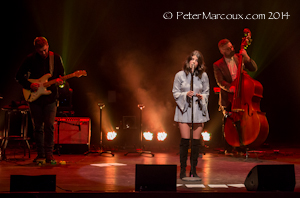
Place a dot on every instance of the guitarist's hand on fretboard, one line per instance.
(59, 81)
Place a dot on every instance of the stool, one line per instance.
(23, 109)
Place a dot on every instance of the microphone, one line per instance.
(193, 68)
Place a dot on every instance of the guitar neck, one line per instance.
(53, 81)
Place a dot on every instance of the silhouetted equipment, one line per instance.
(13, 130)
(155, 177)
(25, 183)
(271, 177)
(72, 134)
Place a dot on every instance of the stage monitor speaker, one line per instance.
(25, 183)
(74, 132)
(155, 177)
(271, 178)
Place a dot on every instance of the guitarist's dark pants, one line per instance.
(43, 117)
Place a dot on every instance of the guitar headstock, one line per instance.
(80, 73)
(246, 41)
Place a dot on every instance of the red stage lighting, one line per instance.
(217, 90)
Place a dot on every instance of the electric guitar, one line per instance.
(43, 82)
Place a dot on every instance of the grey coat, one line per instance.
(183, 110)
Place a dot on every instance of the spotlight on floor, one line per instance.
(205, 136)
(148, 135)
(161, 136)
(111, 135)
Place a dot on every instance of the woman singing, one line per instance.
(184, 98)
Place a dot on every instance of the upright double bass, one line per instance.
(246, 125)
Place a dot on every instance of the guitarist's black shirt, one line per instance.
(34, 67)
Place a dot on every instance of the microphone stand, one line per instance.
(192, 178)
(102, 151)
(141, 151)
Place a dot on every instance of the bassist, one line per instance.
(225, 71)
(43, 110)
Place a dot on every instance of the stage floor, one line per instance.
(93, 173)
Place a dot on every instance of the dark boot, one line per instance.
(194, 157)
(184, 146)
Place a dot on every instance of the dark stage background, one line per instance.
(131, 54)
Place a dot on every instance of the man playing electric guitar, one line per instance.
(42, 109)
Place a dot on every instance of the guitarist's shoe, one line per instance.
(50, 159)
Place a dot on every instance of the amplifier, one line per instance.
(72, 131)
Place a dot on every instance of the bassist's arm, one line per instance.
(248, 62)
(251, 65)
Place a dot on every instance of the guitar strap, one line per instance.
(51, 62)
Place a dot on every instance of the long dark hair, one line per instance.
(200, 67)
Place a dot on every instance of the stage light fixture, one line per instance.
(148, 135)
(161, 136)
(111, 135)
(206, 136)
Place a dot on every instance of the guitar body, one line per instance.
(42, 90)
